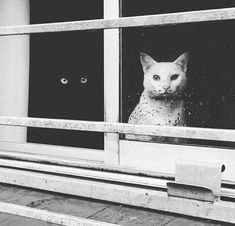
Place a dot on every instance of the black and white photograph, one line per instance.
(117, 112)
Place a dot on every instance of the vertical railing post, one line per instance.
(14, 68)
(111, 81)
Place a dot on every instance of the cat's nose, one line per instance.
(166, 88)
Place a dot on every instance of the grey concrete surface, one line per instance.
(87, 208)
(11, 220)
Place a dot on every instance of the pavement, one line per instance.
(89, 209)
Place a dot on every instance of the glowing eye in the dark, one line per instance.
(156, 77)
(83, 80)
(174, 77)
(64, 81)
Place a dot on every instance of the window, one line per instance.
(209, 97)
(210, 107)
(66, 73)
(212, 55)
(210, 91)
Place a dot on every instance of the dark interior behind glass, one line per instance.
(148, 7)
(66, 72)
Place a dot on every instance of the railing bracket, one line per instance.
(197, 180)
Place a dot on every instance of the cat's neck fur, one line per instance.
(163, 111)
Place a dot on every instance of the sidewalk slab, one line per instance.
(11, 220)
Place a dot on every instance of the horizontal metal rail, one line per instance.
(138, 21)
(109, 127)
(98, 174)
(13, 154)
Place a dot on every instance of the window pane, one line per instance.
(66, 73)
(147, 7)
(45, 11)
(208, 99)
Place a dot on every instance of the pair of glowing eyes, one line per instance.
(173, 77)
(65, 81)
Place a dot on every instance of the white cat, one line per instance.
(161, 102)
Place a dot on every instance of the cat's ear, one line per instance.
(146, 61)
(182, 61)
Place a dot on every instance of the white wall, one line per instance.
(14, 68)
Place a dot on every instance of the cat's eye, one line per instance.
(174, 77)
(83, 79)
(156, 77)
(64, 81)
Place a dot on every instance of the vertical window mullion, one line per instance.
(111, 81)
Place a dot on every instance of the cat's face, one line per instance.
(164, 79)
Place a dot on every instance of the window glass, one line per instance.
(61, 10)
(148, 7)
(208, 99)
(66, 73)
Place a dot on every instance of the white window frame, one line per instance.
(127, 157)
